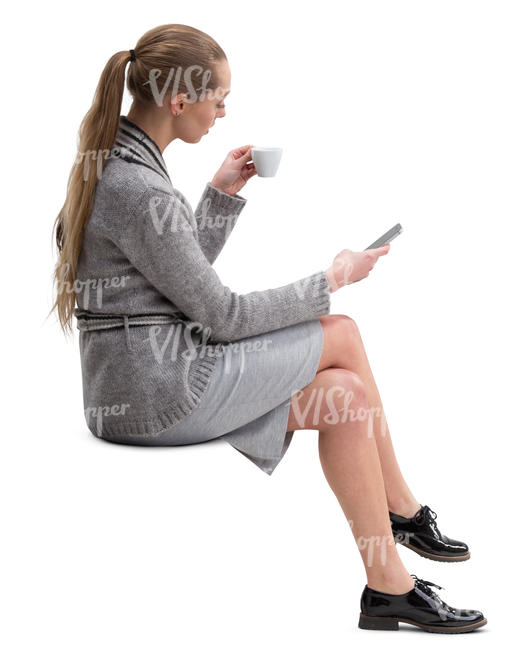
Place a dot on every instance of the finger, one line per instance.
(244, 157)
(382, 250)
(248, 171)
(242, 151)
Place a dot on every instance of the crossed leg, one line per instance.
(343, 348)
(356, 451)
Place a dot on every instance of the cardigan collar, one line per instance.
(137, 147)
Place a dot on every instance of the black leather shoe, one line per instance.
(420, 533)
(420, 606)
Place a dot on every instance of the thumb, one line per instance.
(383, 250)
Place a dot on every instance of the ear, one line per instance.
(176, 104)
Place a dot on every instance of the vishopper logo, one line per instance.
(372, 544)
(175, 335)
(174, 77)
(403, 538)
(83, 288)
(325, 398)
(304, 286)
(343, 268)
(244, 348)
(97, 155)
(170, 347)
(173, 210)
(99, 412)
(197, 345)
(207, 220)
(444, 611)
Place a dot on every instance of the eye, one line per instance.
(220, 105)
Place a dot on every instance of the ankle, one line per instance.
(403, 506)
(389, 576)
(391, 584)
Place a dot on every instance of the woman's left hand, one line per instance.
(235, 171)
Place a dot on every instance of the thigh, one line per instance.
(253, 377)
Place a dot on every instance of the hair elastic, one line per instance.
(133, 56)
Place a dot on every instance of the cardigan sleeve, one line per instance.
(216, 215)
(159, 241)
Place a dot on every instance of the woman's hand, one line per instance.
(235, 171)
(349, 267)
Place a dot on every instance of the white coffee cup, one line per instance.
(266, 160)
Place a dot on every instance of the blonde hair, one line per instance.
(159, 51)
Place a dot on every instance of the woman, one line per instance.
(171, 356)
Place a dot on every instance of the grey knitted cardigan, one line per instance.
(153, 314)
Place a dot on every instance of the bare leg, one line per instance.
(350, 461)
(343, 348)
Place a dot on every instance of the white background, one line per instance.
(415, 112)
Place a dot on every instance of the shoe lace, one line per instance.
(425, 513)
(426, 584)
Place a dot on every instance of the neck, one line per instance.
(154, 122)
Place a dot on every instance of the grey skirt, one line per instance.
(248, 395)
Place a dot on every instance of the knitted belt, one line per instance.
(87, 321)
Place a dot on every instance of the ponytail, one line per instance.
(97, 135)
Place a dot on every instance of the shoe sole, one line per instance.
(392, 623)
(438, 558)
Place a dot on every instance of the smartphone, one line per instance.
(387, 237)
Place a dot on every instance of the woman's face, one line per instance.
(195, 119)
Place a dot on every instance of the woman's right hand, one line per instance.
(349, 267)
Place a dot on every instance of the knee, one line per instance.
(342, 337)
(353, 385)
(345, 397)
(344, 327)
